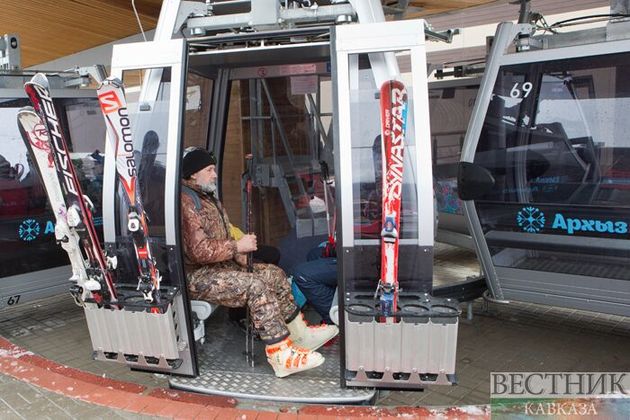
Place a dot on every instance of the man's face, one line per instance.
(206, 178)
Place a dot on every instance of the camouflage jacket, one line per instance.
(205, 231)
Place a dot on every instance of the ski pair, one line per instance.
(111, 96)
(43, 134)
(393, 105)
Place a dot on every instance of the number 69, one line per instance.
(518, 93)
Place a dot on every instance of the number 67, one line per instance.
(516, 92)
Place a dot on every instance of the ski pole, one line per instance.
(329, 249)
(249, 339)
(324, 167)
(248, 190)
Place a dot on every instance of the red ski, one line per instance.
(393, 127)
(111, 96)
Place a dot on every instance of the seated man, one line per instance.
(264, 254)
(216, 272)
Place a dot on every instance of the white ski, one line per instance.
(35, 136)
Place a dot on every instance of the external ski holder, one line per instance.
(135, 342)
(407, 342)
(417, 349)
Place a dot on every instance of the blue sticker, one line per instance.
(530, 219)
(29, 230)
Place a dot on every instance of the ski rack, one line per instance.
(421, 345)
(416, 346)
(159, 342)
(135, 343)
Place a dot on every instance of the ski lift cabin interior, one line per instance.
(297, 98)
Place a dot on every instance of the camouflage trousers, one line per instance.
(266, 292)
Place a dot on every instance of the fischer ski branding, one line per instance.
(111, 96)
(78, 207)
(393, 102)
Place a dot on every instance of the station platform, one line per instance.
(46, 368)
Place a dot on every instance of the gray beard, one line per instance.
(209, 188)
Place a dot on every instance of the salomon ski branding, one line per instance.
(127, 141)
(111, 96)
(127, 144)
(110, 102)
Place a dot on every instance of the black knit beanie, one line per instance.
(196, 160)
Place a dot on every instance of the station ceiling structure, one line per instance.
(50, 30)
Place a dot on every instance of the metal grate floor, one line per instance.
(224, 371)
(576, 266)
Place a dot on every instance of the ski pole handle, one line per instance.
(324, 167)
(248, 221)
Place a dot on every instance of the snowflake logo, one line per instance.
(530, 219)
(29, 230)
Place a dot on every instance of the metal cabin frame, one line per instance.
(21, 288)
(385, 355)
(587, 292)
(217, 54)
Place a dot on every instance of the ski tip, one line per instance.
(111, 81)
(114, 79)
(26, 110)
(34, 87)
(393, 84)
(40, 79)
(27, 119)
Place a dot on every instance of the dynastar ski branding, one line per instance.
(393, 122)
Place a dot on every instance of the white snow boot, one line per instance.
(310, 337)
(286, 359)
